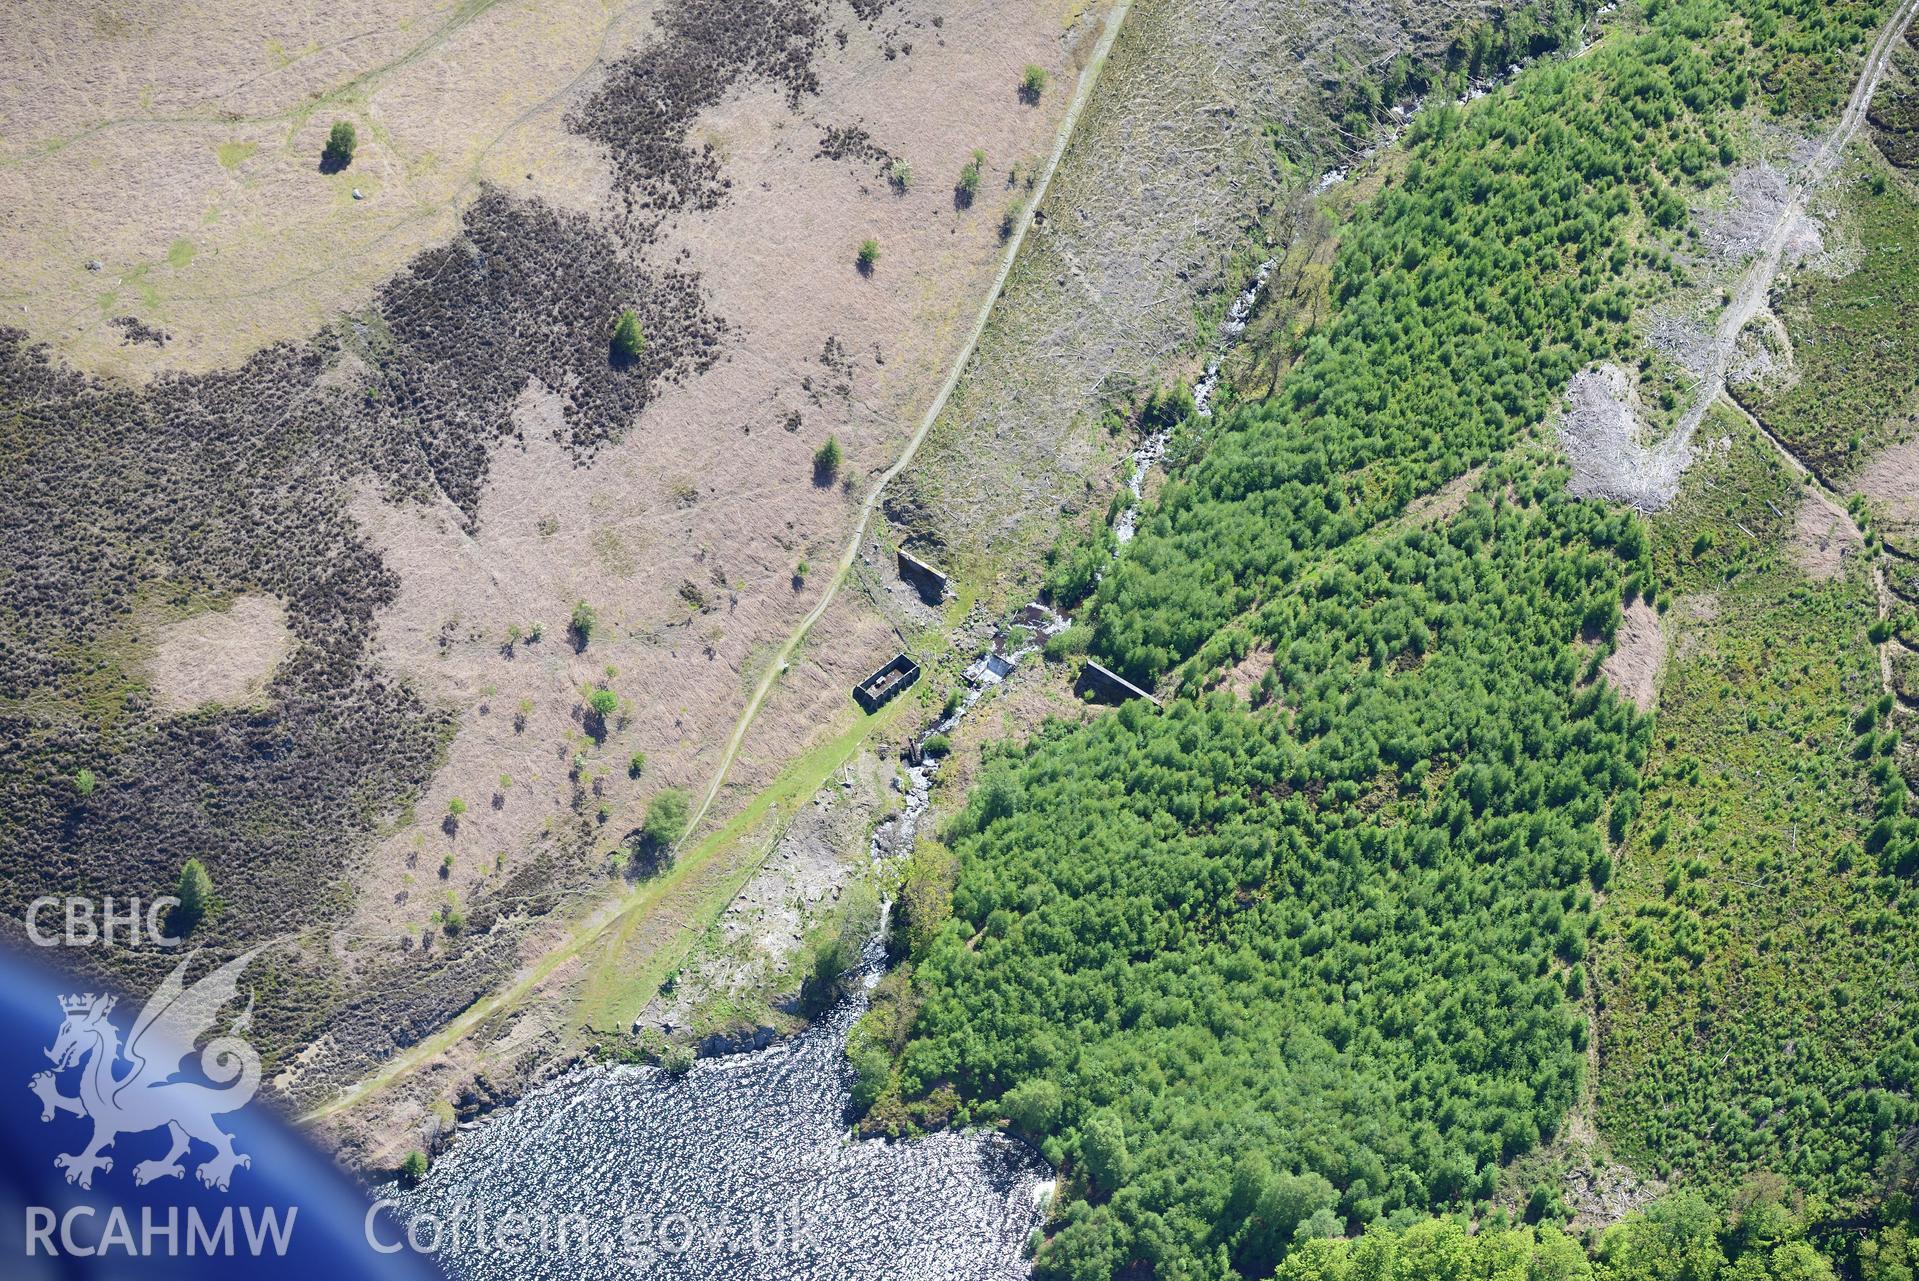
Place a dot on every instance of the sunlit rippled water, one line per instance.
(741, 1168)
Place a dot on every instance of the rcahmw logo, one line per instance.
(129, 1089)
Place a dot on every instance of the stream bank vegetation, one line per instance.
(1312, 953)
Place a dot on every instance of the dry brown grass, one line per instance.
(1892, 479)
(1822, 537)
(180, 150)
(711, 490)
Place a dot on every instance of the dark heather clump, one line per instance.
(646, 106)
(116, 499)
(133, 330)
(525, 292)
(852, 143)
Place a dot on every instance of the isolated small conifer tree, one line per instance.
(629, 340)
(195, 894)
(826, 461)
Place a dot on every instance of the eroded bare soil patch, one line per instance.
(1822, 538)
(1638, 655)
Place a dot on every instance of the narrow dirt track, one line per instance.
(596, 927)
(779, 660)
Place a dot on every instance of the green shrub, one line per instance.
(1071, 643)
(872, 1074)
(341, 141)
(584, 620)
(1009, 220)
(666, 816)
(968, 185)
(868, 256)
(1033, 1107)
(1102, 1150)
(195, 893)
(831, 961)
(1032, 83)
(413, 1169)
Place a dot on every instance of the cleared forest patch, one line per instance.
(1854, 333)
(1892, 479)
(1823, 537)
(1639, 653)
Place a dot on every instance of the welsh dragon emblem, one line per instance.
(143, 1096)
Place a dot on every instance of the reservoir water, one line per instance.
(740, 1168)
